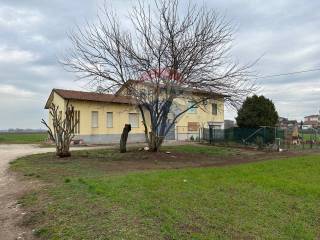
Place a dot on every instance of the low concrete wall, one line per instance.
(187, 136)
(110, 138)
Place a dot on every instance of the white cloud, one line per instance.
(18, 18)
(10, 55)
(10, 90)
(39, 38)
(43, 71)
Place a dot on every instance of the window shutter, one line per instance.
(94, 119)
(193, 126)
(214, 109)
(75, 119)
(109, 119)
(134, 120)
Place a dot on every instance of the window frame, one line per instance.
(92, 119)
(137, 115)
(193, 110)
(216, 109)
(77, 118)
(107, 118)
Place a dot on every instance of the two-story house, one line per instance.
(312, 120)
(103, 116)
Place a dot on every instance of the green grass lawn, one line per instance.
(276, 199)
(307, 137)
(20, 138)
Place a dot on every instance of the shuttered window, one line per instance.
(134, 120)
(109, 119)
(193, 126)
(77, 119)
(94, 119)
(192, 109)
(214, 109)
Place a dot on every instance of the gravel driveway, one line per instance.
(11, 190)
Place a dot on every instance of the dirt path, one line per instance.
(11, 190)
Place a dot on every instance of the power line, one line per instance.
(290, 73)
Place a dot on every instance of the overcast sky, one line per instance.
(33, 34)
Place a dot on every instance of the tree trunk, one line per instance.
(155, 142)
(124, 138)
(63, 152)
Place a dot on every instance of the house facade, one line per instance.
(312, 120)
(103, 116)
(285, 123)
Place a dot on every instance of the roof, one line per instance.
(89, 96)
(311, 116)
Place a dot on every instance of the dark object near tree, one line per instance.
(257, 111)
(173, 54)
(124, 138)
(63, 129)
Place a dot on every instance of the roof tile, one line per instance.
(93, 96)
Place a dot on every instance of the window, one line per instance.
(193, 126)
(109, 119)
(94, 119)
(77, 119)
(193, 109)
(134, 120)
(214, 109)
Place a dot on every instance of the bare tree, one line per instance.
(124, 138)
(168, 54)
(62, 131)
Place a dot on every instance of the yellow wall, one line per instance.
(61, 103)
(121, 115)
(203, 114)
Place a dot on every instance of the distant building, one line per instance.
(285, 123)
(312, 120)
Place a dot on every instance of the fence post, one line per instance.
(210, 134)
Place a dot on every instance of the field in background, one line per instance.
(93, 196)
(22, 138)
(308, 137)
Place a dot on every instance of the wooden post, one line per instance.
(124, 138)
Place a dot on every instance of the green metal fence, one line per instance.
(262, 135)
